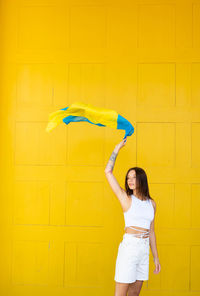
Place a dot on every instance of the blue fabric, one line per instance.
(124, 124)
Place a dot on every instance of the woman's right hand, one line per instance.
(120, 145)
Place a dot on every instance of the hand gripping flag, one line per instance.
(80, 111)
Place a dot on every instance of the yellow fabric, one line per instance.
(96, 115)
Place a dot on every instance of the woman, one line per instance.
(132, 264)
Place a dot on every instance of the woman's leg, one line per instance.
(134, 288)
(121, 289)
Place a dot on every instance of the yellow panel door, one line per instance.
(61, 222)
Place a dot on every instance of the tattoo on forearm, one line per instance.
(111, 162)
(113, 156)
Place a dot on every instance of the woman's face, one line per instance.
(131, 179)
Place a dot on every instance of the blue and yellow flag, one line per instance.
(79, 111)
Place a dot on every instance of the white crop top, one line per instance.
(140, 213)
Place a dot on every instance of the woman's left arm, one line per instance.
(152, 242)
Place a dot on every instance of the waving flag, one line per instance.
(79, 111)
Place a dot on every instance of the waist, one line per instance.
(137, 232)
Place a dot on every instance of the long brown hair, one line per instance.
(141, 183)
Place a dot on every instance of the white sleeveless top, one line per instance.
(140, 213)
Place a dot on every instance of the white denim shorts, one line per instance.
(132, 261)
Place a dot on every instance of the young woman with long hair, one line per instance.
(132, 263)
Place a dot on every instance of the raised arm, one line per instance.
(119, 192)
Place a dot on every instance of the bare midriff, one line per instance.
(137, 231)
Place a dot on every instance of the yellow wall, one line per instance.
(62, 224)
